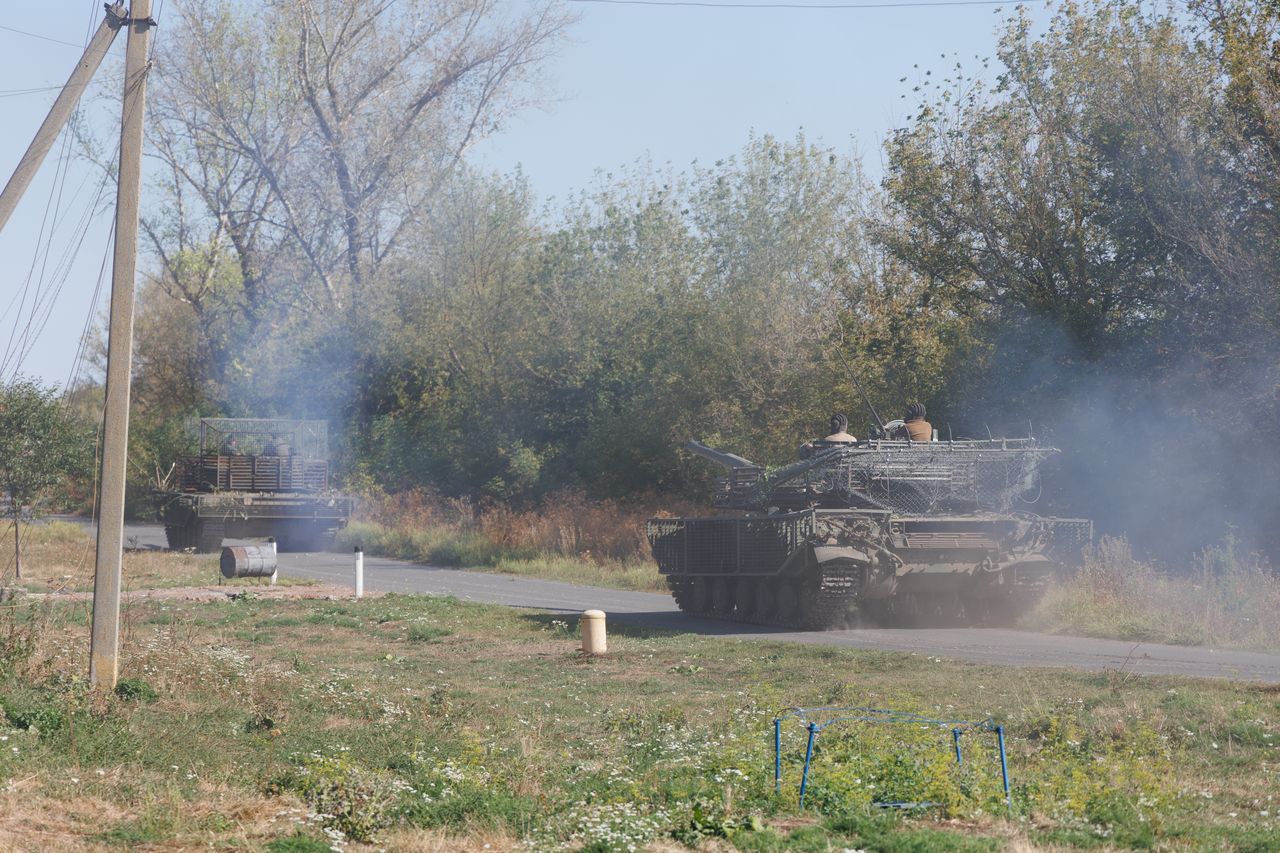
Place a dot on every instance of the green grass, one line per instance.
(420, 721)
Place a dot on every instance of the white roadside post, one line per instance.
(593, 633)
(359, 573)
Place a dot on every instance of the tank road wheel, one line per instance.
(700, 596)
(744, 597)
(190, 534)
(762, 601)
(312, 539)
(810, 613)
(680, 591)
(999, 610)
(786, 602)
(722, 597)
(907, 610)
(209, 535)
(322, 539)
(951, 610)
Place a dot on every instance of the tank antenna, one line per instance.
(863, 391)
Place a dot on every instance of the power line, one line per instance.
(711, 5)
(43, 38)
(9, 93)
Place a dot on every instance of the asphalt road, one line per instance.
(980, 645)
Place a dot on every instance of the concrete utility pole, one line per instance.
(61, 111)
(105, 645)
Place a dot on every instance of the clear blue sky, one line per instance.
(670, 83)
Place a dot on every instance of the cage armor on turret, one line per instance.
(252, 478)
(895, 531)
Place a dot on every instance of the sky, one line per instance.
(664, 83)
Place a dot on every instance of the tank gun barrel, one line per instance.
(720, 457)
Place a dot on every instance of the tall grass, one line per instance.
(567, 536)
(1226, 599)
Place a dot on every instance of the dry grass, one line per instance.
(567, 537)
(58, 557)
(1226, 599)
(566, 524)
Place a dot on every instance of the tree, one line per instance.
(41, 445)
(319, 131)
(1106, 216)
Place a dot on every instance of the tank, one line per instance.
(883, 531)
(252, 478)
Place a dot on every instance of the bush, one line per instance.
(1226, 599)
(454, 531)
(355, 801)
(36, 711)
(136, 690)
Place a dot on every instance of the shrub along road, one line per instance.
(981, 645)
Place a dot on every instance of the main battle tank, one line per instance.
(252, 478)
(893, 532)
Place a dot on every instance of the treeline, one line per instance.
(1086, 248)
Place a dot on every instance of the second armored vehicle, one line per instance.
(903, 532)
(253, 478)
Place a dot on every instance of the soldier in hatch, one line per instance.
(917, 428)
(839, 436)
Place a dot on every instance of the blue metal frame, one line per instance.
(817, 719)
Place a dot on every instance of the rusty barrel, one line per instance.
(249, 561)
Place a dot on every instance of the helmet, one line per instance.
(839, 423)
(915, 412)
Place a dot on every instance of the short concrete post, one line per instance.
(593, 633)
(271, 540)
(359, 573)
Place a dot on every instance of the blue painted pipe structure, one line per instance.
(831, 715)
(808, 758)
(777, 754)
(1004, 768)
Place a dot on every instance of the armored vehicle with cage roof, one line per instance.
(895, 532)
(252, 478)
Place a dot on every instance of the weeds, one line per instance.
(1227, 599)
(566, 537)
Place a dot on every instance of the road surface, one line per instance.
(980, 645)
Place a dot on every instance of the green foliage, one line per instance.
(38, 711)
(136, 690)
(299, 842)
(426, 633)
(43, 445)
(351, 799)
(1104, 215)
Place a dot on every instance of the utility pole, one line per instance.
(61, 111)
(105, 644)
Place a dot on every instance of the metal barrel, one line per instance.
(249, 561)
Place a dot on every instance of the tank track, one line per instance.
(811, 602)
